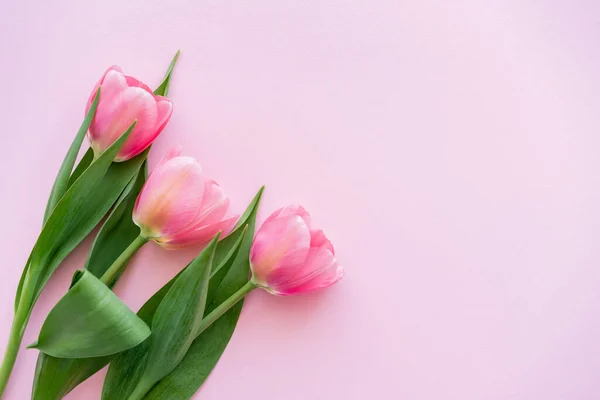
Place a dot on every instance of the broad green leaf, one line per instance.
(163, 88)
(118, 230)
(61, 183)
(177, 320)
(55, 377)
(125, 370)
(205, 351)
(90, 321)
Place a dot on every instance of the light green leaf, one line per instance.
(90, 321)
(206, 350)
(125, 370)
(61, 183)
(163, 88)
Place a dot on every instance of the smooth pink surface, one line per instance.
(448, 149)
(289, 256)
(125, 100)
(179, 206)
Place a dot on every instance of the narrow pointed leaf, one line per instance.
(206, 350)
(90, 321)
(61, 183)
(118, 231)
(177, 319)
(85, 162)
(163, 88)
(75, 215)
(125, 370)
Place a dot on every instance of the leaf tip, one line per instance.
(33, 345)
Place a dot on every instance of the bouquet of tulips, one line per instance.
(168, 348)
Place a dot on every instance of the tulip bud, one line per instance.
(289, 257)
(178, 206)
(124, 100)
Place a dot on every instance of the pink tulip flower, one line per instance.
(288, 256)
(178, 206)
(123, 100)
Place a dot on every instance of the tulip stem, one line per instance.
(17, 330)
(121, 262)
(225, 306)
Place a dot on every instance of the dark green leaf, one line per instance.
(118, 230)
(176, 322)
(125, 370)
(55, 377)
(85, 162)
(61, 183)
(163, 88)
(75, 215)
(205, 351)
(90, 321)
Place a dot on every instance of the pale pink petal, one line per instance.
(170, 199)
(97, 85)
(164, 107)
(114, 116)
(131, 81)
(319, 270)
(173, 152)
(278, 240)
(294, 209)
(318, 239)
(199, 235)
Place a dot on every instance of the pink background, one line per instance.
(449, 149)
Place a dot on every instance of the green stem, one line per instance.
(225, 306)
(16, 334)
(145, 385)
(121, 262)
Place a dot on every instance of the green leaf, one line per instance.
(61, 183)
(177, 320)
(81, 167)
(163, 88)
(75, 215)
(90, 321)
(206, 350)
(125, 370)
(55, 377)
(85, 162)
(118, 230)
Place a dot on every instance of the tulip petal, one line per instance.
(91, 99)
(133, 82)
(294, 209)
(281, 240)
(320, 270)
(200, 235)
(169, 200)
(318, 239)
(164, 108)
(173, 152)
